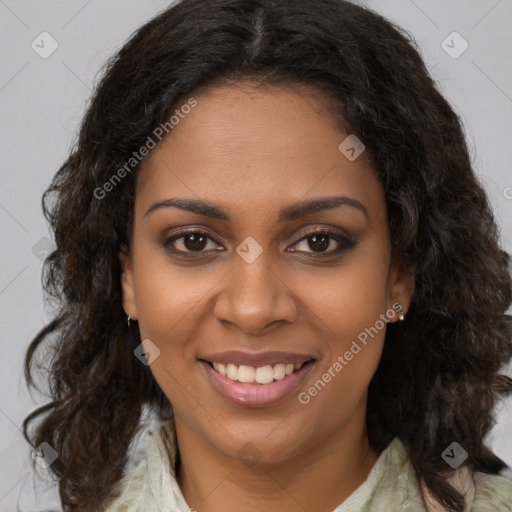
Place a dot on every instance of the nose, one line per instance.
(254, 297)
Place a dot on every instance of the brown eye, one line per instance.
(195, 242)
(192, 241)
(317, 243)
(320, 241)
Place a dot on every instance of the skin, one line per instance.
(255, 151)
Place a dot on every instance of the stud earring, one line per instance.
(401, 317)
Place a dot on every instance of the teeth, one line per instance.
(232, 372)
(264, 375)
(279, 371)
(261, 375)
(246, 373)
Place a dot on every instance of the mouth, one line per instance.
(263, 381)
(262, 375)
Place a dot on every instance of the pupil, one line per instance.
(324, 244)
(195, 242)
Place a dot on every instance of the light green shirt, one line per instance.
(391, 486)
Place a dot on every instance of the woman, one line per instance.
(270, 234)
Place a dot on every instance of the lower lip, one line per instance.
(256, 395)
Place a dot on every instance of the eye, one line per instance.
(190, 241)
(194, 242)
(321, 240)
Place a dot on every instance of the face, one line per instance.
(261, 257)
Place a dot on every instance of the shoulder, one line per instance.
(127, 491)
(492, 493)
(483, 492)
(151, 486)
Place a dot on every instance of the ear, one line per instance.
(127, 288)
(400, 285)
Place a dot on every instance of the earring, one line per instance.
(400, 311)
(128, 320)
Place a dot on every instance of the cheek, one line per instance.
(169, 298)
(169, 308)
(352, 297)
(349, 311)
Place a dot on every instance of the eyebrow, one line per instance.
(290, 212)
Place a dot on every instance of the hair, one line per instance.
(439, 378)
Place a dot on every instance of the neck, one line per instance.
(316, 480)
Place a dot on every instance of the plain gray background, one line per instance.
(42, 101)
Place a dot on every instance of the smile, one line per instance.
(264, 383)
(261, 375)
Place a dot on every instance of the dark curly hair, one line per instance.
(438, 380)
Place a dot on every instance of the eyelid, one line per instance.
(343, 239)
(182, 233)
(323, 230)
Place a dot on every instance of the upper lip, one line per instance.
(256, 359)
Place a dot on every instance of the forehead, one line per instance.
(245, 146)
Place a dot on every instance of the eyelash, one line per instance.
(343, 241)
